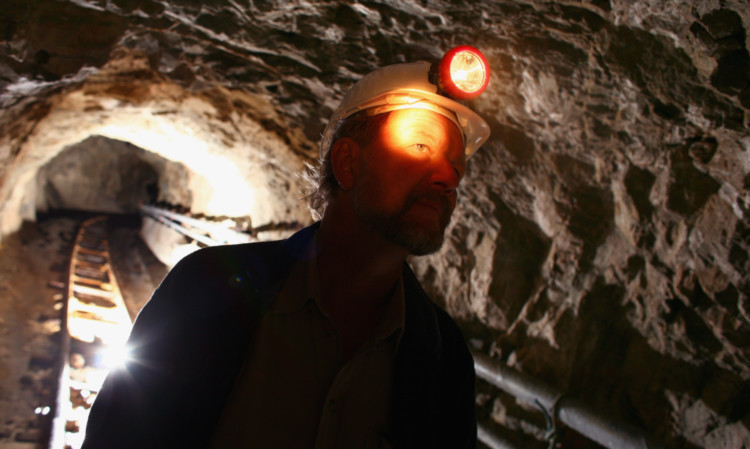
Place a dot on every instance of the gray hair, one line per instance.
(321, 182)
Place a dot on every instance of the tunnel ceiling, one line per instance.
(601, 241)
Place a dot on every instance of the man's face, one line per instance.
(406, 189)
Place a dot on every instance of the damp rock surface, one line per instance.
(602, 235)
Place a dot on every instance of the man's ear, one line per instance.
(345, 154)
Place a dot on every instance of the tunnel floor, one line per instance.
(33, 270)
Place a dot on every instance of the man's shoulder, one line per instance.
(258, 262)
(220, 252)
(450, 332)
(212, 260)
(213, 281)
(224, 255)
(431, 327)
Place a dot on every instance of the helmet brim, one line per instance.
(474, 129)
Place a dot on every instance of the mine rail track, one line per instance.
(96, 324)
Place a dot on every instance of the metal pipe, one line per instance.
(493, 440)
(182, 230)
(571, 411)
(194, 222)
(211, 228)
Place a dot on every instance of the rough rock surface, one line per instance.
(32, 265)
(601, 242)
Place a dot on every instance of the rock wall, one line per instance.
(601, 241)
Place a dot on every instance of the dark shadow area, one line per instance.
(521, 250)
(690, 187)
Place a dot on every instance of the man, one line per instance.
(326, 339)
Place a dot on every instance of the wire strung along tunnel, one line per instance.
(598, 251)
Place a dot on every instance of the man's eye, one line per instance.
(421, 147)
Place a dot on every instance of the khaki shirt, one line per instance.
(295, 391)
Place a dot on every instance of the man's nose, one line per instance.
(445, 176)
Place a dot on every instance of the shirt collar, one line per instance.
(422, 335)
(301, 287)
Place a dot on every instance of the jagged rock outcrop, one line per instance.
(602, 238)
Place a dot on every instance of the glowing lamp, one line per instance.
(463, 73)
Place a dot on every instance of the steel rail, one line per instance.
(95, 320)
(569, 410)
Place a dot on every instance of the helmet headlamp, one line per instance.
(463, 73)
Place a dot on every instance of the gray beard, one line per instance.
(397, 229)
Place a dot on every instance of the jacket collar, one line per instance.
(422, 329)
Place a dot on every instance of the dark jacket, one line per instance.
(190, 339)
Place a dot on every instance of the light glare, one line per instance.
(467, 71)
(115, 356)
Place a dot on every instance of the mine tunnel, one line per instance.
(599, 247)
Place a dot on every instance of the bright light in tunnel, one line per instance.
(115, 356)
(231, 194)
(113, 329)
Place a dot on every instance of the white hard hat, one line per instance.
(405, 86)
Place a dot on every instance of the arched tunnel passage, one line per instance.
(89, 164)
(107, 175)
